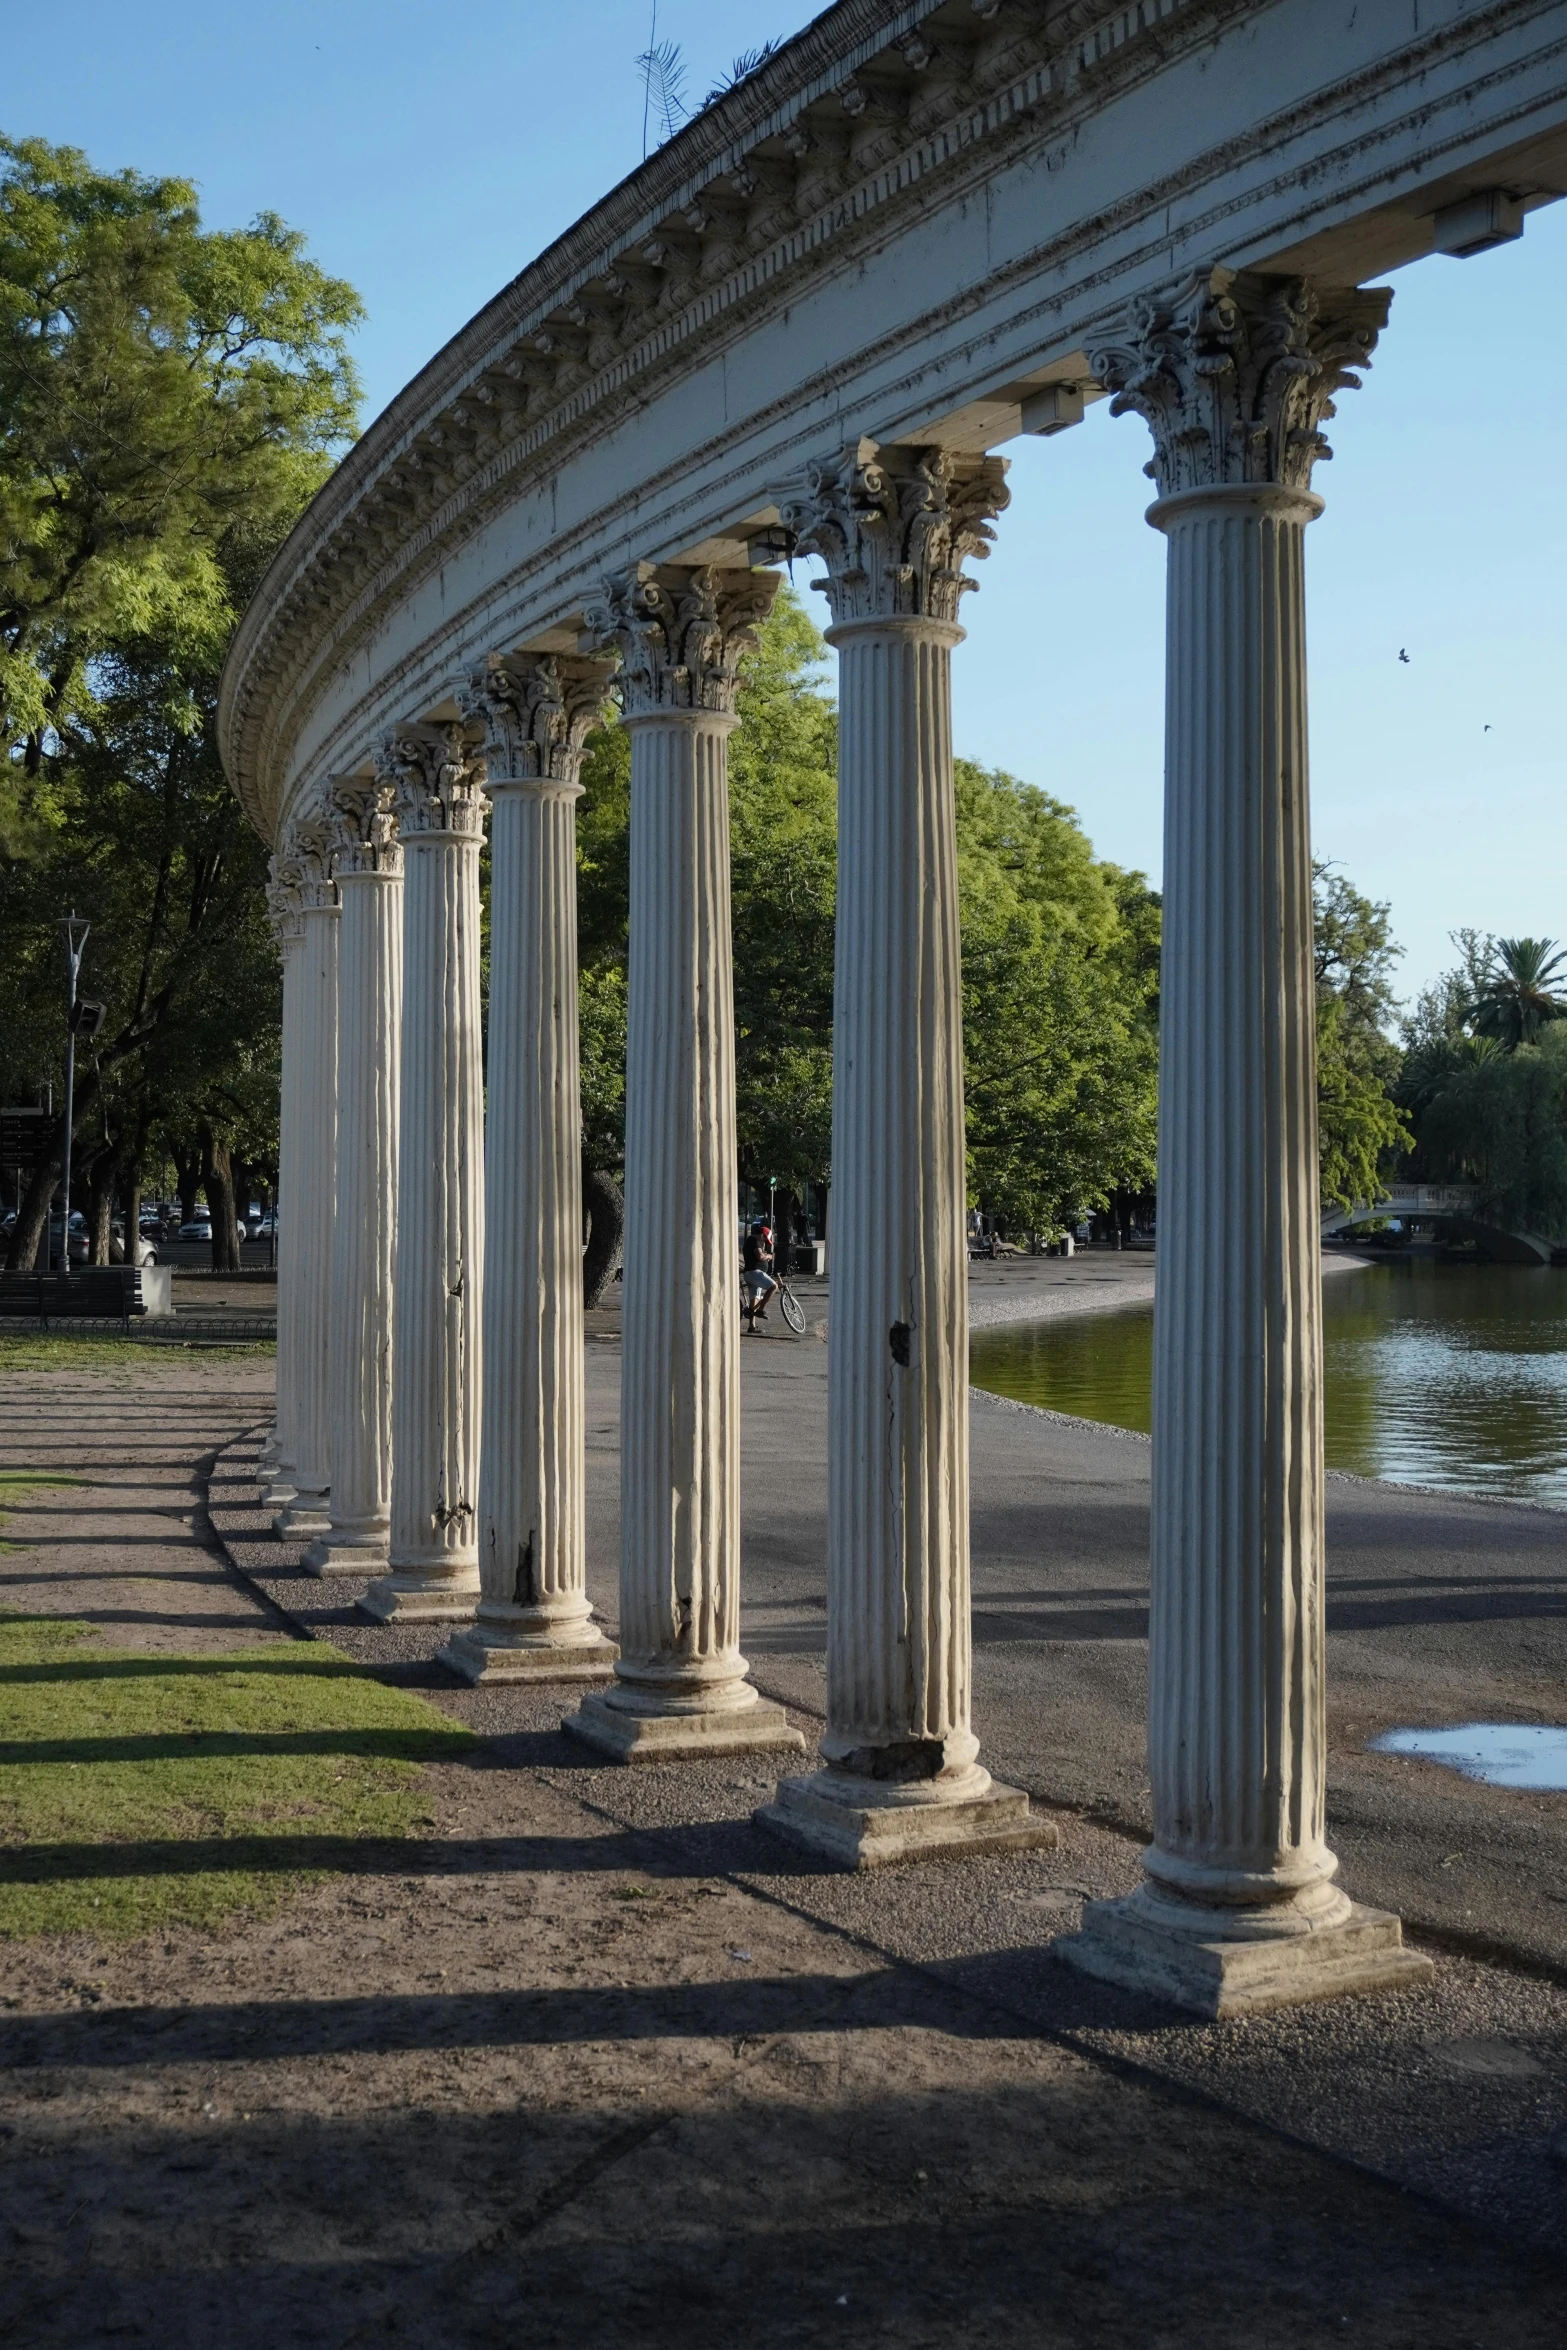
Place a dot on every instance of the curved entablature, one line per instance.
(910, 224)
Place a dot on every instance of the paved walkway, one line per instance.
(597, 2051)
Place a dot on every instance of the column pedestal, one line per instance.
(1239, 1910)
(902, 1779)
(432, 1550)
(534, 1622)
(680, 1683)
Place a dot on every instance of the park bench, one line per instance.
(89, 1293)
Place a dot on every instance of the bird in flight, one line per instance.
(1403, 656)
(1485, 730)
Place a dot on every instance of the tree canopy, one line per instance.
(1484, 1080)
(1060, 960)
(164, 389)
(169, 398)
(1360, 1129)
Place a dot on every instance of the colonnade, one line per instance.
(430, 1333)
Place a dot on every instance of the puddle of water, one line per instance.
(1503, 1754)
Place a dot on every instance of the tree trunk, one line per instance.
(783, 1234)
(100, 1205)
(217, 1181)
(604, 1216)
(30, 1230)
(130, 1202)
(188, 1170)
(819, 1209)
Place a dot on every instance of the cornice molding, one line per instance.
(867, 118)
(855, 110)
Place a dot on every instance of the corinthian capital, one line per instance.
(537, 712)
(1235, 375)
(363, 828)
(681, 633)
(895, 527)
(435, 783)
(306, 864)
(283, 907)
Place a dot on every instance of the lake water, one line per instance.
(1449, 1375)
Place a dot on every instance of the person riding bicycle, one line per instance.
(758, 1279)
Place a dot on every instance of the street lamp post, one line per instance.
(71, 924)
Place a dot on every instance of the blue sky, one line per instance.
(429, 152)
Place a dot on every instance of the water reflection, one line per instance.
(1448, 1375)
(1503, 1754)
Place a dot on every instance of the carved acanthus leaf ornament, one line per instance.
(436, 783)
(681, 634)
(307, 863)
(1235, 376)
(894, 527)
(283, 906)
(537, 711)
(364, 828)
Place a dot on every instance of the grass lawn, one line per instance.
(55, 1350)
(143, 1792)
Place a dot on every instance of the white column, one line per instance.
(902, 1776)
(367, 864)
(1238, 1909)
(433, 1552)
(308, 1216)
(680, 1683)
(534, 1622)
(281, 1450)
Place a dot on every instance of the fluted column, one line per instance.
(367, 864)
(306, 1230)
(281, 1450)
(1238, 1908)
(433, 1556)
(902, 1775)
(534, 1621)
(681, 1685)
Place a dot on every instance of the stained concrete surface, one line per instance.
(594, 2049)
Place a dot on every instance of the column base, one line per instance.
(494, 1652)
(1216, 1974)
(336, 1554)
(629, 1727)
(305, 1517)
(872, 1824)
(407, 1597)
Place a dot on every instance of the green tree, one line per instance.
(1521, 991)
(1360, 1127)
(162, 388)
(1060, 1019)
(1060, 960)
(169, 398)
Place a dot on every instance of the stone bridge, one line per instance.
(1457, 1204)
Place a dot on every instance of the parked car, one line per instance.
(263, 1227)
(199, 1228)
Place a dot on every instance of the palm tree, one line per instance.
(1521, 991)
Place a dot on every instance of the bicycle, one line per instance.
(793, 1311)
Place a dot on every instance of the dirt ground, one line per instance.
(592, 2052)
